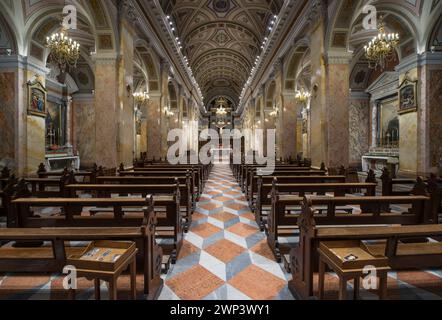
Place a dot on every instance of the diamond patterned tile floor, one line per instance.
(231, 248)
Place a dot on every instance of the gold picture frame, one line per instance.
(408, 96)
(37, 98)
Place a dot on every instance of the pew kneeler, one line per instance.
(348, 259)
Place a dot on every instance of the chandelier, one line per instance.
(302, 96)
(141, 97)
(274, 113)
(380, 50)
(63, 50)
(221, 111)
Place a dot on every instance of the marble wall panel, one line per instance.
(36, 146)
(338, 115)
(289, 128)
(435, 105)
(84, 131)
(7, 119)
(106, 126)
(408, 142)
(359, 118)
(154, 129)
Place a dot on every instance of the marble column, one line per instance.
(153, 126)
(69, 121)
(318, 137)
(337, 106)
(429, 115)
(374, 124)
(289, 128)
(126, 108)
(84, 128)
(106, 111)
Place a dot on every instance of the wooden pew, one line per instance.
(106, 191)
(119, 212)
(195, 186)
(287, 170)
(53, 259)
(402, 253)
(265, 186)
(283, 220)
(5, 195)
(419, 186)
(258, 179)
(157, 180)
(203, 170)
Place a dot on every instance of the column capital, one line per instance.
(339, 57)
(105, 57)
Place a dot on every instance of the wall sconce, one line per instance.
(129, 90)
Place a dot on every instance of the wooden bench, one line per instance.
(263, 201)
(254, 170)
(283, 217)
(313, 229)
(182, 191)
(286, 171)
(113, 212)
(53, 258)
(203, 170)
(182, 179)
(257, 179)
(195, 185)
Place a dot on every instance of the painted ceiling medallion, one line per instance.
(221, 7)
(221, 37)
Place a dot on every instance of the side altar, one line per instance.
(62, 158)
(378, 158)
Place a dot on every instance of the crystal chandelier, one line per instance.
(221, 111)
(380, 50)
(302, 96)
(141, 97)
(274, 113)
(64, 51)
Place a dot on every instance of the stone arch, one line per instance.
(270, 95)
(434, 35)
(291, 68)
(8, 40)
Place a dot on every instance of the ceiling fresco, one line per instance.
(221, 38)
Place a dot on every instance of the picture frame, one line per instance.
(37, 98)
(408, 96)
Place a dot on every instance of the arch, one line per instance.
(434, 36)
(270, 95)
(294, 58)
(8, 40)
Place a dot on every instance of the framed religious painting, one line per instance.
(408, 96)
(37, 98)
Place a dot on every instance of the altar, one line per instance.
(221, 155)
(379, 158)
(62, 161)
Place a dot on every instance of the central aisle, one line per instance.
(225, 256)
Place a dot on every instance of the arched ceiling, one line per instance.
(221, 38)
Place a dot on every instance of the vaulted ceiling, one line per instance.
(221, 39)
